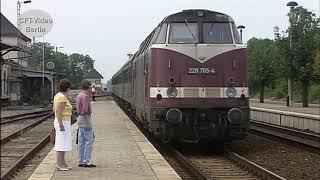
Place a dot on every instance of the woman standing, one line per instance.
(62, 124)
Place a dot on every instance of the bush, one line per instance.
(314, 93)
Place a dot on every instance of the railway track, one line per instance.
(11, 129)
(22, 144)
(196, 165)
(23, 116)
(310, 140)
(227, 165)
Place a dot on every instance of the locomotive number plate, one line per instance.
(201, 71)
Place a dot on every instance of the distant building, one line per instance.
(11, 35)
(13, 56)
(95, 78)
(19, 84)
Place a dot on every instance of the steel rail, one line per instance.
(237, 159)
(252, 167)
(187, 164)
(22, 118)
(26, 156)
(23, 114)
(303, 138)
(19, 131)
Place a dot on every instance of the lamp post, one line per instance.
(292, 5)
(18, 11)
(18, 37)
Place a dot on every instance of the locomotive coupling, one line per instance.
(174, 116)
(235, 115)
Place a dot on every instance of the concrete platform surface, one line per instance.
(313, 109)
(120, 151)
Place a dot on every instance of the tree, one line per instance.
(299, 59)
(74, 66)
(79, 65)
(60, 61)
(316, 66)
(262, 56)
(36, 52)
(109, 86)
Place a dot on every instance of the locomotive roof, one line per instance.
(198, 15)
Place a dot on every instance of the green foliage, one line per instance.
(300, 61)
(79, 65)
(74, 66)
(36, 52)
(316, 67)
(109, 86)
(262, 56)
(278, 89)
(315, 93)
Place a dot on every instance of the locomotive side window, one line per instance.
(217, 33)
(236, 34)
(162, 35)
(183, 33)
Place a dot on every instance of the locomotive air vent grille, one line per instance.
(191, 92)
(212, 92)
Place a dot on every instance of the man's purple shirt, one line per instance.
(83, 104)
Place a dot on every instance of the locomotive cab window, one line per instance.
(236, 34)
(162, 34)
(183, 33)
(217, 33)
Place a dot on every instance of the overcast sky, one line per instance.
(108, 30)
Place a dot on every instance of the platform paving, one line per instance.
(120, 152)
(313, 109)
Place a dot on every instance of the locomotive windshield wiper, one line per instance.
(187, 24)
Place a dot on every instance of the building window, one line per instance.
(97, 81)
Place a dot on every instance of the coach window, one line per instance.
(162, 34)
(217, 33)
(183, 33)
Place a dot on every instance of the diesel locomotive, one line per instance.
(188, 80)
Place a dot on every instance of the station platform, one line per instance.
(120, 151)
(313, 109)
(296, 117)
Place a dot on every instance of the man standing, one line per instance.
(93, 90)
(85, 125)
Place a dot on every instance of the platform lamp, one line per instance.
(18, 32)
(241, 27)
(292, 5)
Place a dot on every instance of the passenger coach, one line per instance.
(188, 80)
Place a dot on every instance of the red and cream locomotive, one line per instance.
(188, 80)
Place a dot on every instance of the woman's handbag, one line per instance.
(74, 116)
(53, 136)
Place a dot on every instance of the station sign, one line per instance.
(50, 65)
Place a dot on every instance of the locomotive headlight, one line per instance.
(231, 92)
(172, 92)
(174, 116)
(235, 115)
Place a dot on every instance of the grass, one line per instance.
(278, 90)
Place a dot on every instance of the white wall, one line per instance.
(93, 82)
(16, 54)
